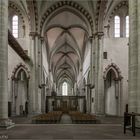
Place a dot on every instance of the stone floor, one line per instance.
(65, 119)
(111, 128)
(68, 132)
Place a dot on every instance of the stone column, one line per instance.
(32, 77)
(41, 40)
(34, 80)
(37, 80)
(133, 55)
(138, 45)
(43, 94)
(92, 87)
(92, 62)
(4, 121)
(99, 90)
(43, 100)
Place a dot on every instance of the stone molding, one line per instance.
(16, 70)
(98, 35)
(17, 9)
(116, 8)
(33, 13)
(60, 4)
(116, 69)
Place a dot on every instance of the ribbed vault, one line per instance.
(66, 35)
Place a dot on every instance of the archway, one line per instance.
(20, 95)
(66, 30)
(112, 86)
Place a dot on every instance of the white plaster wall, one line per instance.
(21, 96)
(24, 43)
(117, 52)
(111, 102)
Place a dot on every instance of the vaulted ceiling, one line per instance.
(66, 38)
(66, 26)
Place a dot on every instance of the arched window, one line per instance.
(21, 75)
(127, 26)
(15, 26)
(117, 26)
(65, 89)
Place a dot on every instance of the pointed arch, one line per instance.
(115, 69)
(73, 6)
(18, 68)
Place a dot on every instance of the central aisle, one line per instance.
(65, 119)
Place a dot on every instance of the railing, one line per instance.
(130, 121)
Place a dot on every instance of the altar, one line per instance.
(65, 103)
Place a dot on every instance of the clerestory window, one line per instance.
(127, 26)
(15, 26)
(116, 26)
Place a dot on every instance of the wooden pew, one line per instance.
(51, 117)
(79, 118)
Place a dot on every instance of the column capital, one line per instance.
(34, 34)
(98, 35)
(42, 39)
(90, 38)
(116, 79)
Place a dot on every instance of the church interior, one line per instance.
(69, 69)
